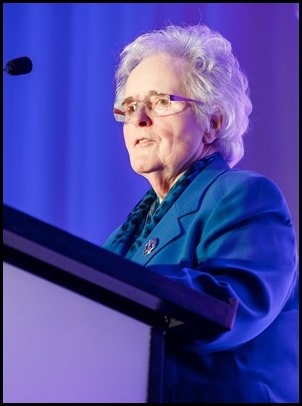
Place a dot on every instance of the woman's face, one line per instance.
(162, 146)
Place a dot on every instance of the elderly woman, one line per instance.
(184, 104)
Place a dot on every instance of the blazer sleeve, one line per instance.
(244, 247)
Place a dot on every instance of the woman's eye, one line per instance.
(162, 102)
(130, 108)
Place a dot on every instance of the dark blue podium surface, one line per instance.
(74, 266)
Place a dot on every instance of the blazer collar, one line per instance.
(189, 202)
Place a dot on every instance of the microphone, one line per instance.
(19, 66)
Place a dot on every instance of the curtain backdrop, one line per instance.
(64, 156)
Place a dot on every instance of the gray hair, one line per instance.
(213, 76)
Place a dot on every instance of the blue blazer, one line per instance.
(230, 234)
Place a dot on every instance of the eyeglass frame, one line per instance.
(172, 97)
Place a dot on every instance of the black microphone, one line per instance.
(19, 66)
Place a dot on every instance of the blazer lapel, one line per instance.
(189, 202)
(165, 231)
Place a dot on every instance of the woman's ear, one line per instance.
(216, 123)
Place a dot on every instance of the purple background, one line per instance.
(64, 156)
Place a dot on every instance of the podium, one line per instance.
(83, 325)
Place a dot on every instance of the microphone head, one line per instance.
(19, 66)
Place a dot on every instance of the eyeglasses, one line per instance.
(159, 104)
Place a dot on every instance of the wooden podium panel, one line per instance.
(82, 324)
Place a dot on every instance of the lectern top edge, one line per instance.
(81, 261)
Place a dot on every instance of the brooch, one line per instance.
(151, 244)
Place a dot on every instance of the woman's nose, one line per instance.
(142, 117)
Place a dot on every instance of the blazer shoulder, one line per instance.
(244, 176)
(250, 185)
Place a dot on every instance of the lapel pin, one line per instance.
(151, 244)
